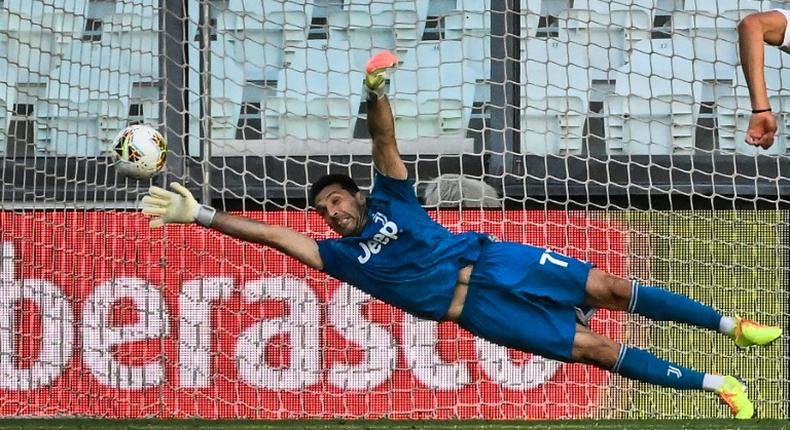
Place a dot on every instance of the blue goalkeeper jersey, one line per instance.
(402, 257)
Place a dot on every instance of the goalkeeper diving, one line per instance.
(391, 249)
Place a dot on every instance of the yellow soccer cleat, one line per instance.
(733, 393)
(376, 71)
(748, 333)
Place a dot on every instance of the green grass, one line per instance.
(92, 424)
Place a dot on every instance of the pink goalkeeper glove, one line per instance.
(376, 72)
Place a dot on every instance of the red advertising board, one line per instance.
(102, 316)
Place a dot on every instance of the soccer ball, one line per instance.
(139, 151)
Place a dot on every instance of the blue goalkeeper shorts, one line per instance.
(523, 297)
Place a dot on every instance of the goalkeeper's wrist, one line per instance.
(375, 93)
(204, 215)
(374, 86)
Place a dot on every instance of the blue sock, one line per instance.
(664, 305)
(638, 364)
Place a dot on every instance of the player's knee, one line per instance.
(608, 291)
(621, 291)
(592, 348)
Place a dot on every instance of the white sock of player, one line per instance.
(711, 382)
(727, 325)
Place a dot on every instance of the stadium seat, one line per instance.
(530, 17)
(5, 119)
(554, 68)
(256, 43)
(137, 15)
(364, 13)
(606, 43)
(227, 82)
(733, 113)
(342, 116)
(134, 31)
(87, 95)
(408, 23)
(660, 125)
(407, 119)
(151, 106)
(284, 24)
(371, 7)
(684, 61)
(448, 113)
(552, 125)
(694, 23)
(394, 25)
(63, 18)
(227, 88)
(636, 16)
(272, 109)
(782, 142)
(554, 97)
(345, 28)
(713, 9)
(432, 71)
(34, 60)
(714, 21)
(318, 119)
(714, 51)
(8, 88)
(261, 57)
(606, 37)
(270, 14)
(323, 70)
(433, 126)
(435, 75)
(661, 67)
(36, 32)
(471, 24)
(407, 29)
(302, 119)
(472, 16)
(429, 118)
(322, 78)
(84, 131)
(607, 7)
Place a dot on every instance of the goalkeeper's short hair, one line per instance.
(344, 181)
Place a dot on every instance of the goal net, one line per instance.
(612, 131)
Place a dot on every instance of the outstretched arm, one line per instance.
(754, 30)
(381, 124)
(283, 239)
(179, 206)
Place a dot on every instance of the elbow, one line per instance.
(749, 25)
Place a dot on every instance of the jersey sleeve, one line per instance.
(786, 39)
(401, 189)
(331, 257)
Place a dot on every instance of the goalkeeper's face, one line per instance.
(343, 212)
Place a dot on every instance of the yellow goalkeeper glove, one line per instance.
(376, 72)
(177, 206)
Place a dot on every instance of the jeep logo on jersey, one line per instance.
(389, 231)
